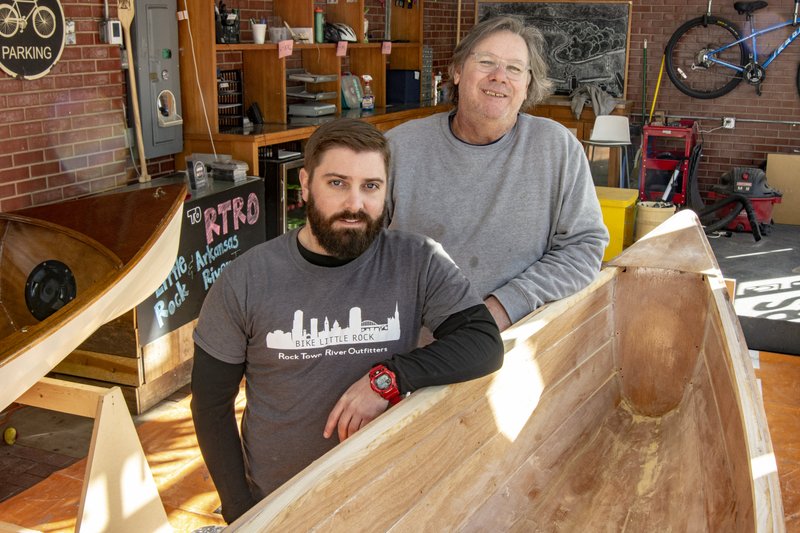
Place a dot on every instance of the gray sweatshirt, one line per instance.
(519, 216)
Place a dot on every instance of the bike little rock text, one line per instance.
(708, 57)
(11, 19)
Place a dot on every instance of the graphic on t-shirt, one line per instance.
(357, 331)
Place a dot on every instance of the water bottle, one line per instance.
(319, 24)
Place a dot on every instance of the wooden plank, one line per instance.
(116, 337)
(66, 397)
(451, 502)
(168, 352)
(102, 367)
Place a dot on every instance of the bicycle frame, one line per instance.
(754, 46)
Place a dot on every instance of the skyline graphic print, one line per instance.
(357, 331)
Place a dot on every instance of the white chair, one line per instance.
(611, 131)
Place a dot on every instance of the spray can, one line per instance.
(437, 84)
(319, 23)
(368, 100)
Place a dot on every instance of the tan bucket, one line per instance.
(649, 215)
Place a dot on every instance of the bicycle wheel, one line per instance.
(8, 21)
(44, 22)
(690, 71)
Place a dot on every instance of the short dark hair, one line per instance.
(351, 133)
(540, 86)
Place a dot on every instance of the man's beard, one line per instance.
(346, 243)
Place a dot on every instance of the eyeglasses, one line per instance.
(486, 62)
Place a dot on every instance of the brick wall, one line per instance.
(63, 135)
(749, 142)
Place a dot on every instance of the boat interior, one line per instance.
(630, 405)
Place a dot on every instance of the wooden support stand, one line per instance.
(119, 493)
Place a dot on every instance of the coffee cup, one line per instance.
(259, 33)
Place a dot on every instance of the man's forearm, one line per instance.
(467, 346)
(214, 388)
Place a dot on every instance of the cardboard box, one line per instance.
(783, 174)
(619, 215)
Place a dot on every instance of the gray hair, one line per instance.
(540, 86)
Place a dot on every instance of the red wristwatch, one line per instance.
(384, 382)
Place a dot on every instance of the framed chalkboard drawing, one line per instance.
(586, 42)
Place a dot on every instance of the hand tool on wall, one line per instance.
(125, 13)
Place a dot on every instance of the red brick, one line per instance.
(29, 186)
(14, 203)
(79, 189)
(14, 174)
(69, 109)
(13, 145)
(73, 163)
(59, 180)
(47, 196)
(58, 124)
(22, 100)
(28, 158)
(10, 116)
(43, 169)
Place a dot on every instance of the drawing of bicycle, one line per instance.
(11, 19)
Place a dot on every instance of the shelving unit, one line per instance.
(265, 73)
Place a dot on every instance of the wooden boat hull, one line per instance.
(631, 406)
(119, 247)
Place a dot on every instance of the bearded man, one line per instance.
(323, 324)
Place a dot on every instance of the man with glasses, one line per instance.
(508, 195)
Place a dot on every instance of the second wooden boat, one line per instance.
(630, 406)
(67, 268)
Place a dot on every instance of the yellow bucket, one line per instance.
(649, 215)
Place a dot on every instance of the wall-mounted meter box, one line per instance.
(111, 31)
(154, 34)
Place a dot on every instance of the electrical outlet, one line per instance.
(728, 123)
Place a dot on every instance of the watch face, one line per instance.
(383, 382)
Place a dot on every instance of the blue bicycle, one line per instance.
(708, 57)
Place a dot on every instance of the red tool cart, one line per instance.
(665, 150)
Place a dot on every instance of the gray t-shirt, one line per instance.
(520, 216)
(306, 333)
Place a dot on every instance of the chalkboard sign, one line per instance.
(586, 42)
(220, 222)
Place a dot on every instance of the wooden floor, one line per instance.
(190, 499)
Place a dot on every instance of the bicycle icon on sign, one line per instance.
(11, 19)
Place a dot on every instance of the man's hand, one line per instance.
(357, 406)
(498, 313)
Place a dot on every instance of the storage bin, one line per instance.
(618, 206)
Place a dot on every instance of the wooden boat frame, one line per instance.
(630, 406)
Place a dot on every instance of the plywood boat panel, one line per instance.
(615, 410)
(556, 437)
(660, 317)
